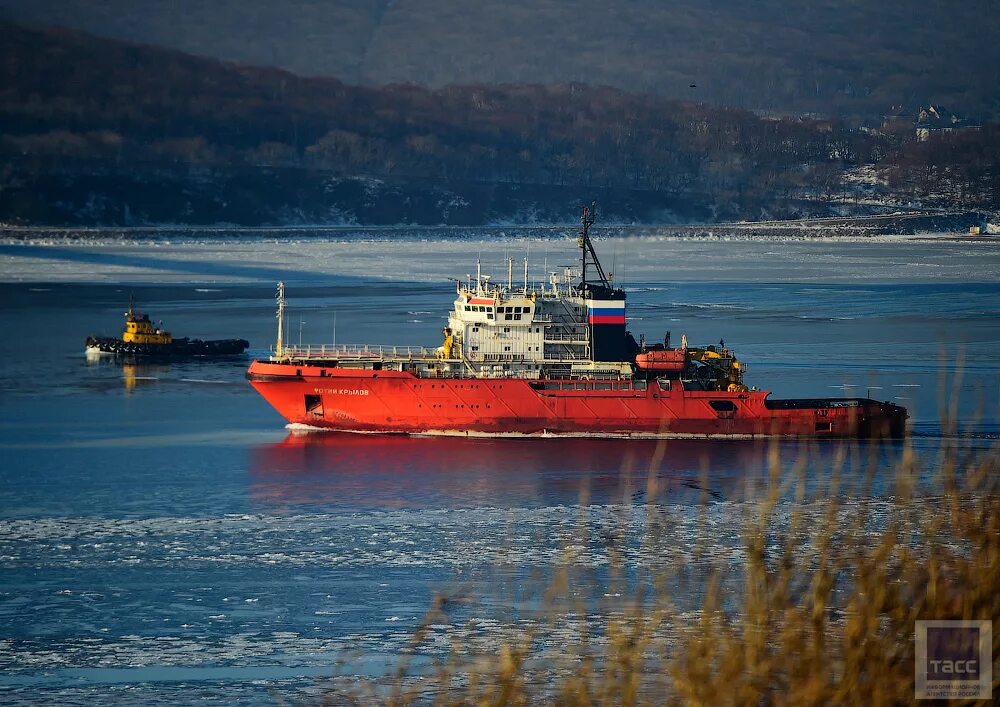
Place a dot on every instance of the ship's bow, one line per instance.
(279, 385)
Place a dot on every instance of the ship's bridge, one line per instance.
(531, 325)
(497, 324)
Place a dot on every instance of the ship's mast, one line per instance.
(587, 248)
(279, 346)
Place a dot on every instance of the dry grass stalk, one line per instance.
(821, 611)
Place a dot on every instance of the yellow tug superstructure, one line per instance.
(140, 330)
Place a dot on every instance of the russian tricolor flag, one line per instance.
(607, 313)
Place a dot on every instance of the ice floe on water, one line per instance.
(285, 597)
(639, 255)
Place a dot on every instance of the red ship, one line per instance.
(553, 359)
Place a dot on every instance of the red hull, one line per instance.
(362, 400)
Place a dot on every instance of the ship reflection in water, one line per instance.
(387, 471)
(135, 373)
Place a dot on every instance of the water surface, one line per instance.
(163, 537)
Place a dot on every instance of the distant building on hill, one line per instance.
(934, 120)
(937, 120)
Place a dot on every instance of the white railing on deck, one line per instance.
(564, 357)
(374, 351)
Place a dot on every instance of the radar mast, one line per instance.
(588, 254)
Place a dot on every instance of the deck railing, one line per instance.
(376, 351)
(551, 338)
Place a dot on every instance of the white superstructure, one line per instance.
(568, 327)
(530, 331)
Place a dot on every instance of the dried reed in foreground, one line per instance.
(818, 606)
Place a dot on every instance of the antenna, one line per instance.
(525, 274)
(510, 274)
(279, 346)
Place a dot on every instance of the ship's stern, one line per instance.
(883, 420)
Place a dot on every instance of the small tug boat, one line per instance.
(142, 338)
(547, 360)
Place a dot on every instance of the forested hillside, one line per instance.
(79, 113)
